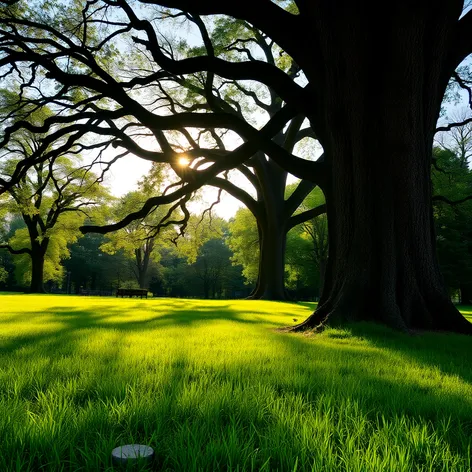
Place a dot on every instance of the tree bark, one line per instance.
(37, 269)
(322, 264)
(379, 118)
(270, 281)
(142, 259)
(142, 273)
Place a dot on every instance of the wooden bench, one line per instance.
(131, 292)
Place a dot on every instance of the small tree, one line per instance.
(140, 238)
(52, 201)
(213, 267)
(243, 240)
(90, 268)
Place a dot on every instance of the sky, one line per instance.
(125, 174)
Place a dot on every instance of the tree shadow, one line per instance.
(339, 365)
(169, 314)
(444, 351)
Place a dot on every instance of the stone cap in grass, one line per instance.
(131, 454)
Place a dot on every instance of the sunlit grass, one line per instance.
(467, 311)
(212, 385)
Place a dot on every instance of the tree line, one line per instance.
(214, 258)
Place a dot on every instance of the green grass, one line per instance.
(466, 310)
(212, 386)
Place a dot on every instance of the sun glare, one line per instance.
(183, 161)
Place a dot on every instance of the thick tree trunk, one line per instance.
(323, 264)
(382, 263)
(271, 225)
(270, 282)
(142, 257)
(37, 271)
(142, 278)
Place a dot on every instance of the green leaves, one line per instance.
(453, 180)
(3, 274)
(243, 240)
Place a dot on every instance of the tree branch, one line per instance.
(306, 215)
(15, 251)
(265, 15)
(237, 193)
(453, 125)
(440, 198)
(297, 197)
(235, 158)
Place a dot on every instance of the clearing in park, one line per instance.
(213, 385)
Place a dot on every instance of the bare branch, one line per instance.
(453, 125)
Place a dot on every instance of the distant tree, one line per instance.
(243, 240)
(301, 277)
(213, 267)
(140, 238)
(53, 200)
(174, 278)
(458, 139)
(92, 269)
(3, 274)
(198, 230)
(452, 184)
(316, 231)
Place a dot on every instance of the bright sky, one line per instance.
(125, 174)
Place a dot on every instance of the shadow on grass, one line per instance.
(352, 363)
(180, 314)
(342, 365)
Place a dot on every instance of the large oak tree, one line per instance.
(373, 84)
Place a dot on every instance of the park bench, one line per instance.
(131, 292)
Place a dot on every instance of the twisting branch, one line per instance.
(235, 158)
(210, 208)
(464, 86)
(454, 125)
(265, 16)
(166, 221)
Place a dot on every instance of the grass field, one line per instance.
(212, 386)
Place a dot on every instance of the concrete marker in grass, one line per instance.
(132, 454)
